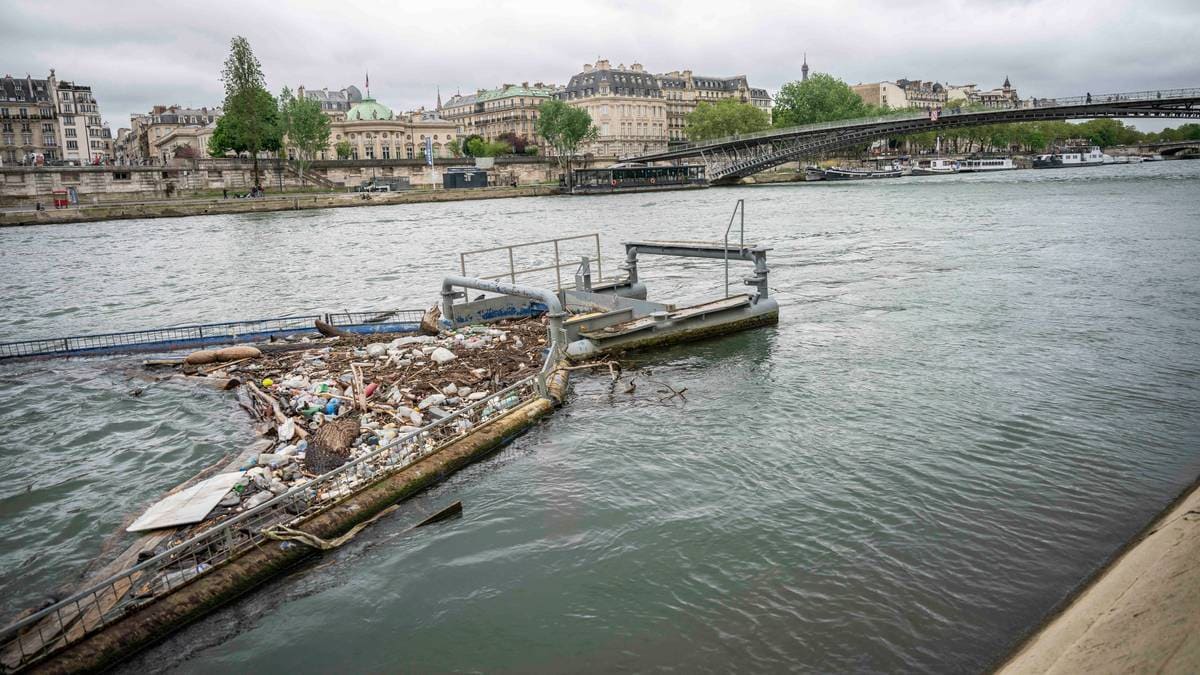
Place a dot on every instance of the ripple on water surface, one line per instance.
(979, 388)
(86, 444)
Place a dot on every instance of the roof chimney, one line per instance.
(637, 67)
(587, 67)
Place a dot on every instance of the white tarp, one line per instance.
(187, 506)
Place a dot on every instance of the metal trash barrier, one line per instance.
(199, 335)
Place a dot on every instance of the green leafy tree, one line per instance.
(342, 149)
(821, 98)
(251, 115)
(305, 127)
(725, 118)
(471, 142)
(564, 128)
(1185, 132)
(477, 147)
(455, 147)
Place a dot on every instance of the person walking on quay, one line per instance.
(225, 193)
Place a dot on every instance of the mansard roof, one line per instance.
(24, 90)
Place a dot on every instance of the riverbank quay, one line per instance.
(194, 207)
(1140, 613)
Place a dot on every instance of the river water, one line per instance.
(980, 388)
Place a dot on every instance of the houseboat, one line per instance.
(630, 177)
(1072, 157)
(935, 167)
(979, 164)
(892, 170)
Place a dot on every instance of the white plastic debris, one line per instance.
(432, 399)
(442, 355)
(287, 430)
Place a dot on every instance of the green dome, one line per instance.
(369, 109)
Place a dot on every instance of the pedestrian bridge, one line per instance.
(728, 159)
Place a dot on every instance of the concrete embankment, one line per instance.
(192, 207)
(1140, 614)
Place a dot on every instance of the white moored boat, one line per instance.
(986, 164)
(935, 167)
(1072, 157)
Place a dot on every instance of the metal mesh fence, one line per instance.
(197, 335)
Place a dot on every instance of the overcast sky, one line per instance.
(138, 54)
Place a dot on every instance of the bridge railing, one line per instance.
(1085, 100)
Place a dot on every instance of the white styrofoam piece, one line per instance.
(187, 506)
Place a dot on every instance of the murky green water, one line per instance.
(980, 387)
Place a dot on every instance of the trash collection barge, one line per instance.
(353, 427)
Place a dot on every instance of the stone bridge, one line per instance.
(1166, 148)
(731, 158)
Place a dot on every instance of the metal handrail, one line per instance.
(225, 540)
(1085, 100)
(513, 272)
(740, 206)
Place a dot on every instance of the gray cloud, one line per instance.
(138, 54)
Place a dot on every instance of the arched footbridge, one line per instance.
(728, 159)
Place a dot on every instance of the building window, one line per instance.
(71, 133)
(120, 175)
(387, 152)
(370, 152)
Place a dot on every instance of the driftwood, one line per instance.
(270, 401)
(429, 321)
(329, 331)
(222, 383)
(330, 444)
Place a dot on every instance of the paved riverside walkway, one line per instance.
(282, 202)
(1141, 615)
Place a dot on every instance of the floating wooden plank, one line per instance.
(448, 512)
(187, 506)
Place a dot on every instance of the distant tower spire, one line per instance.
(439, 89)
(804, 69)
(1007, 85)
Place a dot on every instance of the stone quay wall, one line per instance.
(94, 185)
(169, 208)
